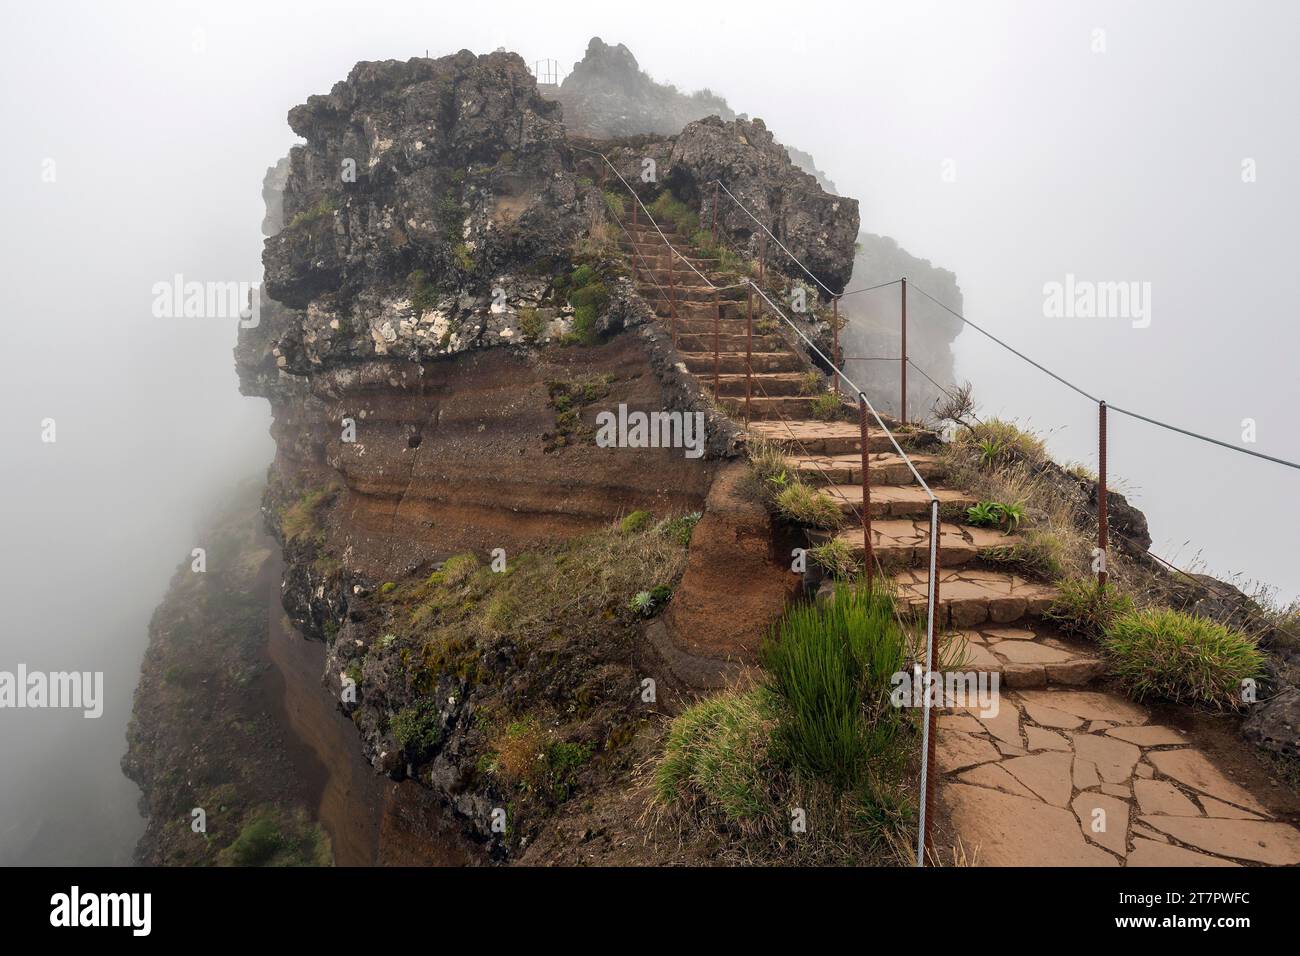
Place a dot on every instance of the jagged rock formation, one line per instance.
(817, 228)
(873, 328)
(806, 162)
(464, 211)
(609, 96)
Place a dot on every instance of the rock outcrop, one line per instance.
(609, 96)
(873, 329)
(443, 315)
(817, 228)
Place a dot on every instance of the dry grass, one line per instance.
(448, 617)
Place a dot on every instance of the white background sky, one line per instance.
(1123, 165)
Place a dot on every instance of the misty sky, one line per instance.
(160, 119)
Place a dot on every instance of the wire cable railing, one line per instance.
(865, 409)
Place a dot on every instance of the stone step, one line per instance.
(905, 542)
(887, 468)
(655, 255)
(701, 363)
(761, 384)
(1029, 655)
(895, 501)
(644, 232)
(726, 342)
(813, 437)
(972, 596)
(703, 314)
(690, 293)
(769, 407)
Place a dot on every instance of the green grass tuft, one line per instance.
(802, 504)
(1085, 608)
(831, 662)
(1180, 657)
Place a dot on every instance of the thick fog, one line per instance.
(1012, 143)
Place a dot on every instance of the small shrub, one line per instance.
(564, 757)
(457, 569)
(1001, 441)
(679, 528)
(766, 461)
(273, 837)
(417, 727)
(423, 295)
(1039, 554)
(992, 514)
(1181, 657)
(302, 517)
(318, 210)
(649, 603)
(811, 383)
(668, 208)
(461, 255)
(718, 754)
(532, 326)
(836, 558)
(614, 204)
(1084, 607)
(827, 407)
(521, 752)
(635, 522)
(801, 504)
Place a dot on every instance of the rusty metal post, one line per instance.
(935, 626)
(672, 294)
(717, 355)
(835, 343)
(902, 367)
(868, 554)
(1103, 534)
(749, 349)
(715, 213)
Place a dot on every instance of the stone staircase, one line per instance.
(1027, 783)
(977, 600)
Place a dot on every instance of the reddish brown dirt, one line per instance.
(734, 586)
(451, 457)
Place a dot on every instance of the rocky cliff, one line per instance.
(445, 311)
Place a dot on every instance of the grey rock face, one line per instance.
(608, 96)
(817, 228)
(425, 190)
(1275, 724)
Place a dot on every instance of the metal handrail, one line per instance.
(865, 405)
